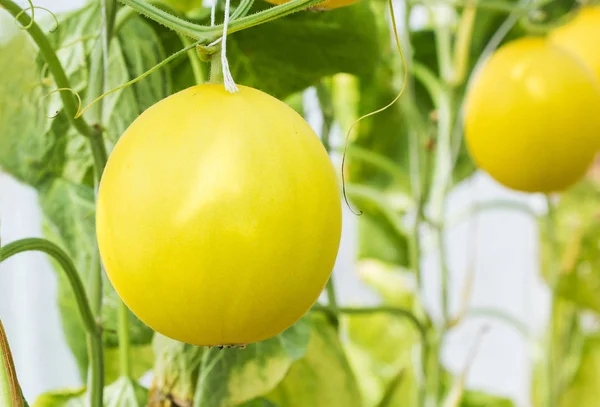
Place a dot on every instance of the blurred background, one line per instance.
(500, 245)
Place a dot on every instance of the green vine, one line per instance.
(94, 332)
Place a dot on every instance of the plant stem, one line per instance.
(10, 390)
(94, 332)
(553, 274)
(323, 89)
(109, 13)
(462, 46)
(209, 34)
(434, 369)
(242, 10)
(502, 316)
(441, 94)
(443, 43)
(332, 302)
(442, 170)
(123, 333)
(95, 381)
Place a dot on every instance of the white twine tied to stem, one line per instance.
(227, 78)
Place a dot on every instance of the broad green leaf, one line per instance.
(34, 147)
(385, 133)
(382, 233)
(135, 49)
(396, 286)
(380, 348)
(69, 221)
(50, 155)
(228, 377)
(577, 233)
(480, 399)
(24, 151)
(569, 247)
(568, 353)
(322, 377)
(175, 371)
(384, 136)
(242, 374)
(583, 390)
(380, 345)
(123, 392)
(260, 402)
(62, 398)
(142, 361)
(292, 53)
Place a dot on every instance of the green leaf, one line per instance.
(125, 393)
(323, 377)
(583, 390)
(380, 346)
(243, 374)
(135, 49)
(480, 399)
(122, 393)
(293, 53)
(260, 402)
(183, 372)
(69, 221)
(396, 286)
(24, 151)
(141, 357)
(577, 232)
(62, 398)
(51, 156)
(382, 233)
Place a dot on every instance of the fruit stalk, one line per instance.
(216, 69)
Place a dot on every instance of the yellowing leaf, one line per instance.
(323, 377)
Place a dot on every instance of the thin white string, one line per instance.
(227, 78)
(213, 12)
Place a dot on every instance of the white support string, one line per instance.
(213, 12)
(227, 78)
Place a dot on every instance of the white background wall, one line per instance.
(506, 268)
